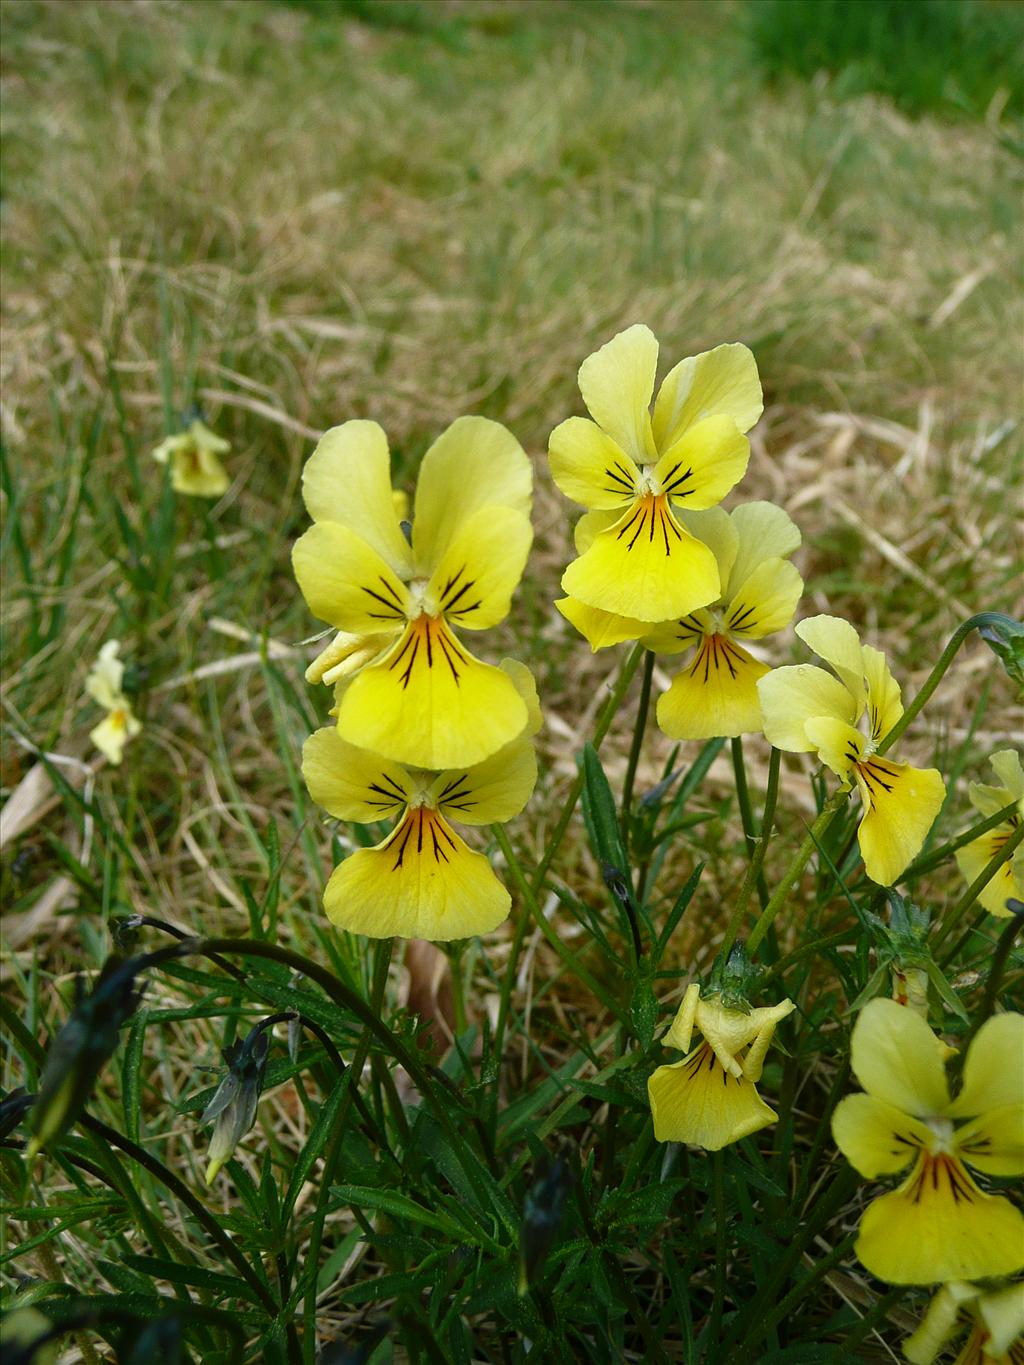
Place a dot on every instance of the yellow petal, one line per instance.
(764, 531)
(729, 1030)
(883, 693)
(1008, 768)
(422, 882)
(716, 695)
(993, 1073)
(113, 733)
(838, 745)
(475, 463)
(644, 566)
(1007, 883)
(704, 465)
(526, 685)
(680, 1031)
(475, 578)
(347, 480)
(940, 1324)
(874, 1137)
(900, 806)
(765, 601)
(697, 1102)
(899, 1060)
(588, 526)
(589, 467)
(617, 383)
(346, 582)
(489, 792)
(106, 677)
(207, 439)
(198, 472)
(430, 704)
(836, 641)
(722, 381)
(1002, 1312)
(600, 628)
(351, 783)
(790, 697)
(346, 654)
(988, 800)
(939, 1226)
(714, 526)
(994, 1143)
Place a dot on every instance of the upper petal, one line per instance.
(617, 383)
(1009, 770)
(763, 531)
(720, 382)
(836, 641)
(589, 467)
(993, 1068)
(704, 464)
(474, 463)
(715, 528)
(900, 806)
(790, 697)
(898, 1059)
(346, 582)
(347, 479)
(352, 783)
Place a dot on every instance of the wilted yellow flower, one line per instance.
(995, 1318)
(423, 881)
(634, 470)
(938, 1225)
(104, 684)
(416, 695)
(710, 1098)
(195, 464)
(807, 710)
(974, 857)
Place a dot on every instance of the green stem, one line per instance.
(639, 726)
(1000, 958)
(1004, 854)
(961, 633)
(925, 864)
(718, 1303)
(755, 871)
(795, 1296)
(801, 858)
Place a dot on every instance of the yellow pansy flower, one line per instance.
(104, 684)
(710, 1098)
(418, 696)
(634, 470)
(807, 710)
(938, 1225)
(974, 857)
(194, 458)
(995, 1318)
(423, 881)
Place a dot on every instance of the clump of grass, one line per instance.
(947, 57)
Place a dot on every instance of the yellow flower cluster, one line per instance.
(425, 732)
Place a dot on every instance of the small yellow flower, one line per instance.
(938, 1225)
(194, 458)
(710, 1098)
(974, 857)
(423, 881)
(995, 1318)
(807, 710)
(104, 684)
(413, 692)
(634, 470)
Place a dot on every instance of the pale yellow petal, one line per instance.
(790, 697)
(838, 745)
(475, 463)
(589, 525)
(1002, 1312)
(765, 601)
(993, 1067)
(347, 480)
(352, 783)
(988, 800)
(617, 384)
(591, 468)
(489, 792)
(722, 381)
(113, 733)
(198, 473)
(939, 1226)
(673, 637)
(1009, 770)
(704, 465)
(883, 693)
(475, 578)
(940, 1323)
(900, 807)
(714, 526)
(430, 704)
(994, 1142)
(836, 641)
(600, 628)
(764, 531)
(422, 882)
(207, 439)
(695, 1101)
(874, 1137)
(526, 685)
(105, 679)
(1008, 883)
(644, 566)
(680, 1031)
(346, 582)
(716, 695)
(899, 1060)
